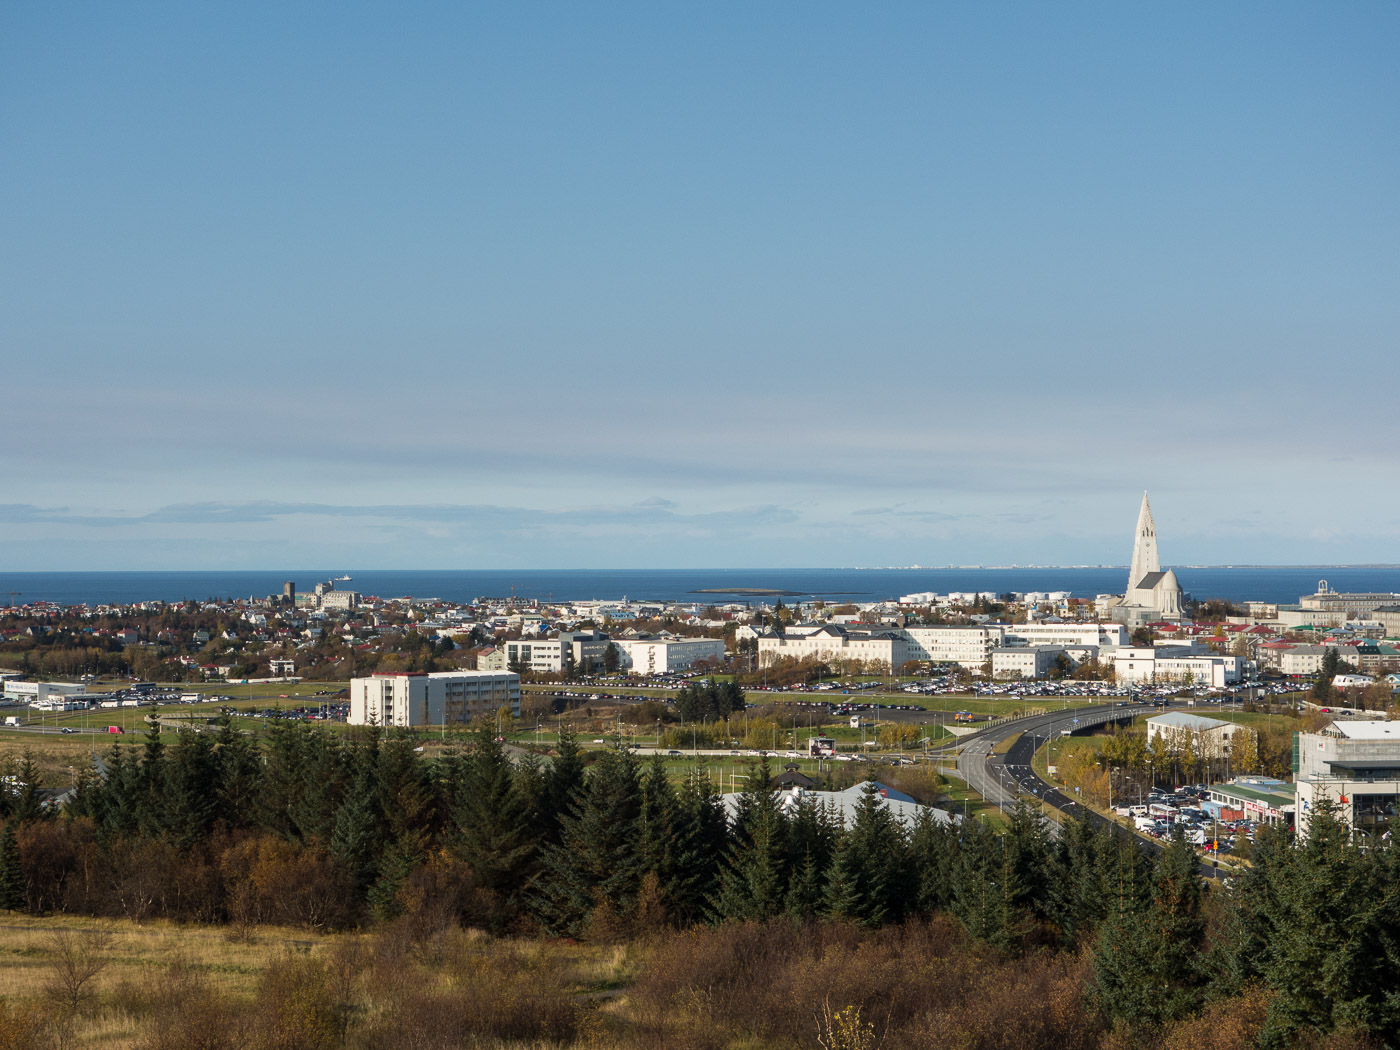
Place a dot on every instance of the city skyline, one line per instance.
(643, 288)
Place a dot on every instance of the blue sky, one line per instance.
(564, 285)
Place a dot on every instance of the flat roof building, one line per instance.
(445, 698)
(1355, 765)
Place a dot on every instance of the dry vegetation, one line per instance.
(416, 985)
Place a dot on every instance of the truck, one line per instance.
(115, 729)
(13, 720)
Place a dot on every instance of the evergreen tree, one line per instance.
(753, 878)
(933, 857)
(1031, 851)
(1079, 891)
(193, 786)
(867, 881)
(152, 783)
(326, 773)
(812, 838)
(357, 833)
(595, 862)
(1330, 949)
(701, 836)
(239, 772)
(1251, 908)
(13, 895)
(987, 891)
(563, 786)
(1147, 967)
(27, 801)
(491, 827)
(753, 882)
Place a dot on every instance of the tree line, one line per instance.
(329, 831)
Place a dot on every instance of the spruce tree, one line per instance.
(27, 801)
(1078, 892)
(812, 838)
(152, 783)
(933, 858)
(868, 879)
(563, 786)
(1147, 966)
(987, 891)
(239, 774)
(701, 837)
(356, 837)
(13, 896)
(1327, 956)
(753, 882)
(596, 860)
(490, 826)
(192, 794)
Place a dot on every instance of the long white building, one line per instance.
(1102, 635)
(664, 655)
(445, 698)
(888, 648)
(1175, 665)
(969, 647)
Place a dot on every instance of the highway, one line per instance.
(1001, 779)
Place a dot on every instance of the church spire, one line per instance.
(1144, 547)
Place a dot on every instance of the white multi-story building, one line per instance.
(1102, 635)
(443, 698)
(1355, 765)
(664, 655)
(1208, 737)
(969, 647)
(888, 648)
(1303, 659)
(1176, 665)
(1024, 661)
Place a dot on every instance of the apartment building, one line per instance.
(446, 698)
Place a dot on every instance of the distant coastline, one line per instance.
(1274, 584)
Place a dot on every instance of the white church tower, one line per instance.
(1151, 594)
(1144, 547)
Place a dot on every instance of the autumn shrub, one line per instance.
(177, 1009)
(297, 1007)
(482, 990)
(48, 856)
(1035, 1002)
(1227, 1024)
(270, 880)
(23, 1028)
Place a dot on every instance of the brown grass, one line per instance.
(410, 986)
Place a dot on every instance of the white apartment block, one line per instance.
(1175, 664)
(1024, 661)
(662, 656)
(970, 647)
(443, 698)
(889, 648)
(546, 656)
(1303, 659)
(1102, 635)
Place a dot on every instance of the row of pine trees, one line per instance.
(601, 845)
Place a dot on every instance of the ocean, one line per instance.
(1229, 582)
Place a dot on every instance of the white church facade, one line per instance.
(1151, 593)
